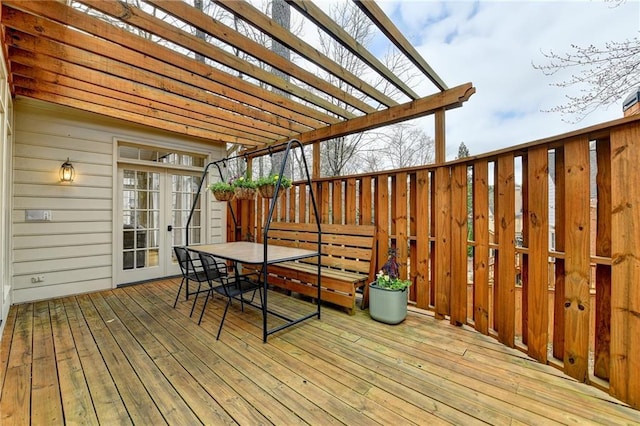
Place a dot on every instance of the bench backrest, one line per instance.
(344, 247)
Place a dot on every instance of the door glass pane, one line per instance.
(184, 188)
(141, 219)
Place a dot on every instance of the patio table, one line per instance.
(254, 254)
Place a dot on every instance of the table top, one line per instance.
(248, 252)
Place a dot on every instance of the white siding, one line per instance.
(74, 252)
(6, 135)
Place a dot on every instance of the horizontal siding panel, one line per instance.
(60, 290)
(52, 176)
(65, 229)
(57, 265)
(57, 190)
(55, 123)
(35, 241)
(58, 216)
(30, 151)
(64, 277)
(63, 252)
(85, 168)
(58, 204)
(64, 142)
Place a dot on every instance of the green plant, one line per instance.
(390, 282)
(388, 277)
(244, 182)
(221, 187)
(273, 180)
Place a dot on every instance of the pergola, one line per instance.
(61, 54)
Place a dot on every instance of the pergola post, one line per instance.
(441, 148)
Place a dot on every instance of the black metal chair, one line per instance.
(193, 271)
(230, 287)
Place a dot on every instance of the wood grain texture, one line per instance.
(505, 277)
(481, 248)
(442, 233)
(459, 236)
(538, 257)
(625, 273)
(577, 268)
(338, 370)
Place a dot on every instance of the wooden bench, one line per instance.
(347, 260)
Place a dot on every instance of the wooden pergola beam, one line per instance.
(433, 104)
(224, 33)
(448, 99)
(382, 21)
(140, 19)
(247, 12)
(323, 21)
(159, 60)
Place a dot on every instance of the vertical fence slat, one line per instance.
(382, 218)
(481, 249)
(366, 201)
(558, 298)
(505, 231)
(523, 260)
(442, 213)
(350, 209)
(459, 235)
(603, 272)
(538, 257)
(302, 203)
(336, 202)
(577, 258)
(625, 240)
(413, 249)
(422, 239)
(400, 220)
(325, 210)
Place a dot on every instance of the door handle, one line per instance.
(169, 228)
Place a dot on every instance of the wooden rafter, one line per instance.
(246, 11)
(109, 61)
(322, 20)
(382, 21)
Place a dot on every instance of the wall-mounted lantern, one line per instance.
(67, 172)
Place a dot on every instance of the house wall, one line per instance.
(6, 134)
(74, 252)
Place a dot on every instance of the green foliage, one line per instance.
(244, 182)
(390, 282)
(272, 180)
(220, 187)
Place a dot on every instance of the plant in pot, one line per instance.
(389, 294)
(245, 188)
(223, 191)
(267, 185)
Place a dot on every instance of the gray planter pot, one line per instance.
(388, 306)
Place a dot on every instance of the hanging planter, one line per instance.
(245, 193)
(222, 191)
(245, 188)
(267, 185)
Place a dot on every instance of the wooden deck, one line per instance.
(125, 356)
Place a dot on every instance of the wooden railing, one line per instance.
(477, 237)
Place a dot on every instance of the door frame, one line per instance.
(120, 163)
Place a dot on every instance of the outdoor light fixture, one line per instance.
(67, 172)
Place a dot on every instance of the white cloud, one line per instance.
(492, 44)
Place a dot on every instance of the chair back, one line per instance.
(212, 268)
(184, 260)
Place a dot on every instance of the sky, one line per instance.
(493, 44)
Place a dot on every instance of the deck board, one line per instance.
(126, 357)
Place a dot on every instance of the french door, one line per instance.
(155, 206)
